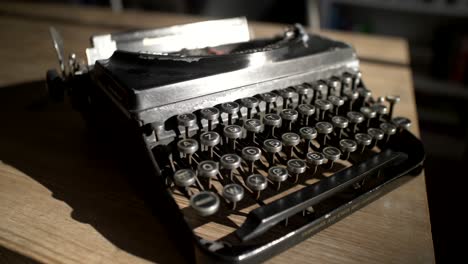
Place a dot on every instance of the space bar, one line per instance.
(263, 218)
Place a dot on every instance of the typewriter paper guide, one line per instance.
(156, 86)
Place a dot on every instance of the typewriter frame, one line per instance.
(99, 110)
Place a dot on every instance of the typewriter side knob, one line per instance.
(205, 203)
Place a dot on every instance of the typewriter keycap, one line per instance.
(347, 82)
(205, 203)
(187, 121)
(290, 140)
(351, 96)
(269, 98)
(369, 113)
(289, 115)
(272, 146)
(324, 128)
(210, 139)
(380, 109)
(332, 154)
(355, 118)
(233, 193)
(363, 139)
(272, 121)
(318, 88)
(211, 114)
(296, 167)
(256, 182)
(315, 159)
(251, 154)
(306, 112)
(334, 85)
(302, 90)
(307, 133)
(230, 108)
(287, 94)
(278, 174)
(336, 102)
(232, 132)
(230, 162)
(208, 169)
(253, 126)
(402, 122)
(184, 177)
(249, 103)
(188, 147)
(347, 146)
(389, 129)
(323, 106)
(392, 99)
(376, 134)
(341, 123)
(365, 94)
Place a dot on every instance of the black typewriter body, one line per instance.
(293, 168)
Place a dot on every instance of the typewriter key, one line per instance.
(208, 169)
(376, 134)
(319, 89)
(306, 112)
(332, 154)
(324, 128)
(210, 114)
(289, 115)
(368, 113)
(392, 99)
(249, 103)
(340, 123)
(278, 174)
(356, 80)
(315, 159)
(253, 126)
(365, 94)
(188, 147)
(347, 82)
(256, 182)
(287, 94)
(363, 139)
(307, 133)
(323, 106)
(233, 193)
(269, 98)
(380, 109)
(210, 139)
(251, 154)
(230, 108)
(230, 162)
(272, 146)
(402, 122)
(187, 121)
(347, 146)
(336, 101)
(205, 203)
(272, 121)
(290, 140)
(334, 85)
(355, 118)
(296, 167)
(351, 97)
(302, 90)
(232, 132)
(389, 129)
(185, 178)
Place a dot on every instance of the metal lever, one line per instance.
(262, 219)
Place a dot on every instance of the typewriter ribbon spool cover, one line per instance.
(245, 147)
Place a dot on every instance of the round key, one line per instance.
(306, 111)
(272, 145)
(184, 177)
(230, 108)
(351, 96)
(392, 99)
(253, 125)
(256, 182)
(303, 90)
(187, 121)
(287, 94)
(355, 118)
(334, 84)
(205, 203)
(230, 162)
(207, 168)
(290, 116)
(307, 133)
(210, 139)
(380, 109)
(389, 129)
(365, 94)
(341, 123)
(347, 80)
(368, 113)
(323, 106)
(233, 193)
(376, 134)
(251, 154)
(402, 122)
(318, 89)
(290, 139)
(347, 146)
(232, 131)
(187, 146)
(278, 174)
(249, 103)
(268, 98)
(296, 167)
(315, 159)
(363, 139)
(272, 121)
(210, 114)
(324, 128)
(336, 101)
(332, 154)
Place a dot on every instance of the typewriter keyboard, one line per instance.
(232, 158)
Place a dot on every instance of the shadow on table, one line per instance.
(49, 142)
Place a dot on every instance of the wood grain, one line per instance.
(64, 200)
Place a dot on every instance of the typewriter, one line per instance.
(246, 146)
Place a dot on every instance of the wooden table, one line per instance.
(62, 200)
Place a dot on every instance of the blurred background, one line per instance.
(437, 33)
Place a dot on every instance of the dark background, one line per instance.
(437, 31)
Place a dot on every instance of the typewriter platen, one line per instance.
(251, 145)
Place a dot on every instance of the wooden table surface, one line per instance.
(63, 200)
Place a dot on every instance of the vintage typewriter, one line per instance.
(247, 146)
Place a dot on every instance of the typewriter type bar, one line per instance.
(257, 145)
